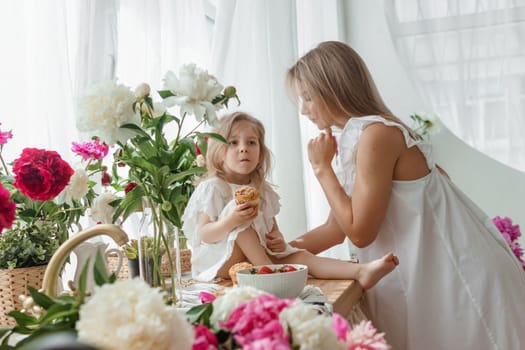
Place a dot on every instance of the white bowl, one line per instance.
(281, 284)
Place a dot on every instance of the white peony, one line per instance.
(309, 329)
(194, 92)
(77, 188)
(233, 297)
(129, 314)
(142, 91)
(101, 210)
(104, 108)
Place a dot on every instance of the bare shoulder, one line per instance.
(381, 137)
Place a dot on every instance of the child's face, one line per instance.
(242, 153)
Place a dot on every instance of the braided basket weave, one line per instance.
(13, 283)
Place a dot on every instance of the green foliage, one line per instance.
(26, 246)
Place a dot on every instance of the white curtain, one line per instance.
(35, 73)
(253, 44)
(467, 59)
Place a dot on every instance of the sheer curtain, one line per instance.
(468, 61)
(253, 44)
(36, 81)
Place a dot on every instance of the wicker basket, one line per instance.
(185, 261)
(13, 283)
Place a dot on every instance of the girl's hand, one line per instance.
(321, 150)
(243, 213)
(275, 241)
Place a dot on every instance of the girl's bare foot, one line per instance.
(370, 273)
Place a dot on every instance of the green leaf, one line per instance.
(82, 281)
(165, 93)
(200, 314)
(100, 271)
(40, 298)
(212, 135)
(23, 320)
(136, 128)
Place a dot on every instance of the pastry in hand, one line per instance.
(247, 194)
(237, 267)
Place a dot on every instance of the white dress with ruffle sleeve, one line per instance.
(458, 285)
(214, 197)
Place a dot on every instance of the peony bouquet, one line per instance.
(156, 149)
(41, 198)
(245, 318)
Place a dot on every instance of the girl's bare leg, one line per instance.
(367, 274)
(247, 248)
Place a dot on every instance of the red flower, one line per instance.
(7, 209)
(205, 339)
(40, 174)
(106, 179)
(197, 149)
(129, 187)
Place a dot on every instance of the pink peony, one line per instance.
(268, 344)
(258, 319)
(364, 336)
(91, 150)
(204, 339)
(40, 174)
(7, 209)
(4, 136)
(341, 326)
(510, 233)
(206, 297)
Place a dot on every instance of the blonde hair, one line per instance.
(337, 79)
(217, 149)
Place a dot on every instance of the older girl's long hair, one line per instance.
(217, 149)
(337, 79)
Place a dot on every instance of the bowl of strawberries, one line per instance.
(281, 280)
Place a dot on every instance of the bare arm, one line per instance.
(360, 216)
(321, 238)
(275, 240)
(214, 231)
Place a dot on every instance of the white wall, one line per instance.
(496, 188)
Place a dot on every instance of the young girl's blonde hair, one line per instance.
(337, 79)
(217, 149)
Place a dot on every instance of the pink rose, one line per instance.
(7, 209)
(204, 339)
(40, 174)
(340, 326)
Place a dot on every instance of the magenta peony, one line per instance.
(204, 338)
(41, 174)
(90, 150)
(510, 233)
(258, 319)
(7, 209)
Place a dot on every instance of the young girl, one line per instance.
(222, 233)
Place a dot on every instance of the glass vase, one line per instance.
(158, 238)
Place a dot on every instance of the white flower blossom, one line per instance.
(129, 314)
(142, 91)
(77, 188)
(309, 329)
(194, 91)
(104, 108)
(158, 109)
(101, 210)
(200, 160)
(224, 306)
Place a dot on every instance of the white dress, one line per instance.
(458, 285)
(214, 197)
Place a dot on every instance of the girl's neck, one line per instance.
(237, 179)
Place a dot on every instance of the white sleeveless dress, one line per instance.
(214, 197)
(458, 285)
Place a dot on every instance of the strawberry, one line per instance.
(265, 270)
(287, 268)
